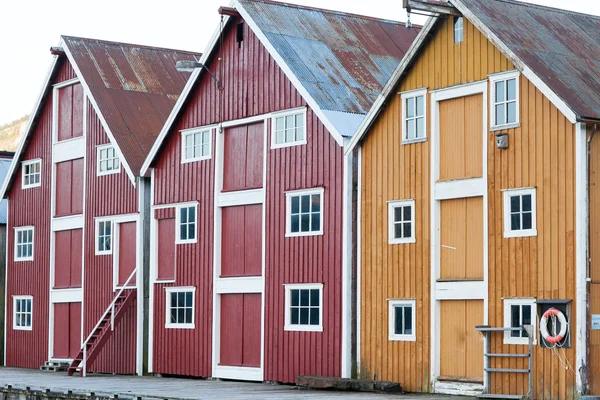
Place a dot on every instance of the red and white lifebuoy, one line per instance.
(553, 312)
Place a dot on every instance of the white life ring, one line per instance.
(553, 312)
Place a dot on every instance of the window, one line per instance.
(303, 311)
(413, 116)
(32, 173)
(519, 213)
(186, 221)
(505, 103)
(402, 320)
(24, 243)
(401, 215)
(108, 160)
(180, 307)
(304, 212)
(458, 29)
(289, 129)
(103, 237)
(519, 312)
(22, 312)
(195, 145)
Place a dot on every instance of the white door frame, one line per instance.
(462, 188)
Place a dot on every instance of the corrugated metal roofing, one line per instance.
(134, 86)
(561, 47)
(342, 60)
(4, 168)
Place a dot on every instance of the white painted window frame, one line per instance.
(99, 252)
(288, 211)
(23, 174)
(15, 326)
(392, 205)
(178, 208)
(507, 194)
(392, 304)
(525, 301)
(288, 304)
(16, 239)
(405, 96)
(283, 114)
(101, 147)
(178, 289)
(191, 132)
(460, 21)
(504, 76)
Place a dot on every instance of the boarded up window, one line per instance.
(69, 187)
(70, 112)
(243, 157)
(67, 262)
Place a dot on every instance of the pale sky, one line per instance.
(29, 28)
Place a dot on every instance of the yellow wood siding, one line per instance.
(540, 154)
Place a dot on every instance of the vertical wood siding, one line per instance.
(540, 154)
(105, 195)
(252, 85)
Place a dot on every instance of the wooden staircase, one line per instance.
(103, 330)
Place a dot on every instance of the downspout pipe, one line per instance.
(588, 279)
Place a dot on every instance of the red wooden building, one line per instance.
(251, 262)
(77, 206)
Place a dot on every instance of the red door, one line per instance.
(67, 330)
(241, 245)
(127, 252)
(67, 262)
(240, 330)
(243, 157)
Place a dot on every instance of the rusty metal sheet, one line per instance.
(343, 60)
(561, 47)
(134, 86)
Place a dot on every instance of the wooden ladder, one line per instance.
(90, 349)
(487, 331)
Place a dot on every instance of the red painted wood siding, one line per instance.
(252, 85)
(166, 249)
(127, 252)
(69, 187)
(67, 330)
(29, 349)
(245, 145)
(241, 243)
(105, 195)
(240, 330)
(67, 259)
(70, 112)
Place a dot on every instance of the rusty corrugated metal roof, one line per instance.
(134, 86)
(343, 60)
(561, 47)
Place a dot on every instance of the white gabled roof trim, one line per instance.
(391, 84)
(99, 113)
(15, 164)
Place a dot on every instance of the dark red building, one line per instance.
(77, 206)
(251, 259)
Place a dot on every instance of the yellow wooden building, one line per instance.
(474, 192)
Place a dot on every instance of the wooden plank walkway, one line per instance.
(176, 388)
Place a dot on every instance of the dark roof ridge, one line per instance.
(554, 9)
(325, 10)
(130, 44)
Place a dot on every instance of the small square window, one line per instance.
(289, 129)
(303, 307)
(401, 221)
(180, 307)
(22, 313)
(31, 174)
(402, 320)
(414, 108)
(458, 29)
(103, 237)
(304, 212)
(195, 145)
(505, 100)
(186, 224)
(519, 312)
(108, 160)
(24, 243)
(519, 213)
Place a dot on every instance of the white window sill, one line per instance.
(180, 326)
(31, 186)
(111, 172)
(104, 253)
(303, 328)
(23, 259)
(518, 234)
(290, 144)
(191, 160)
(21, 328)
(402, 241)
(411, 141)
(518, 341)
(402, 338)
(506, 126)
(300, 234)
(186, 241)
